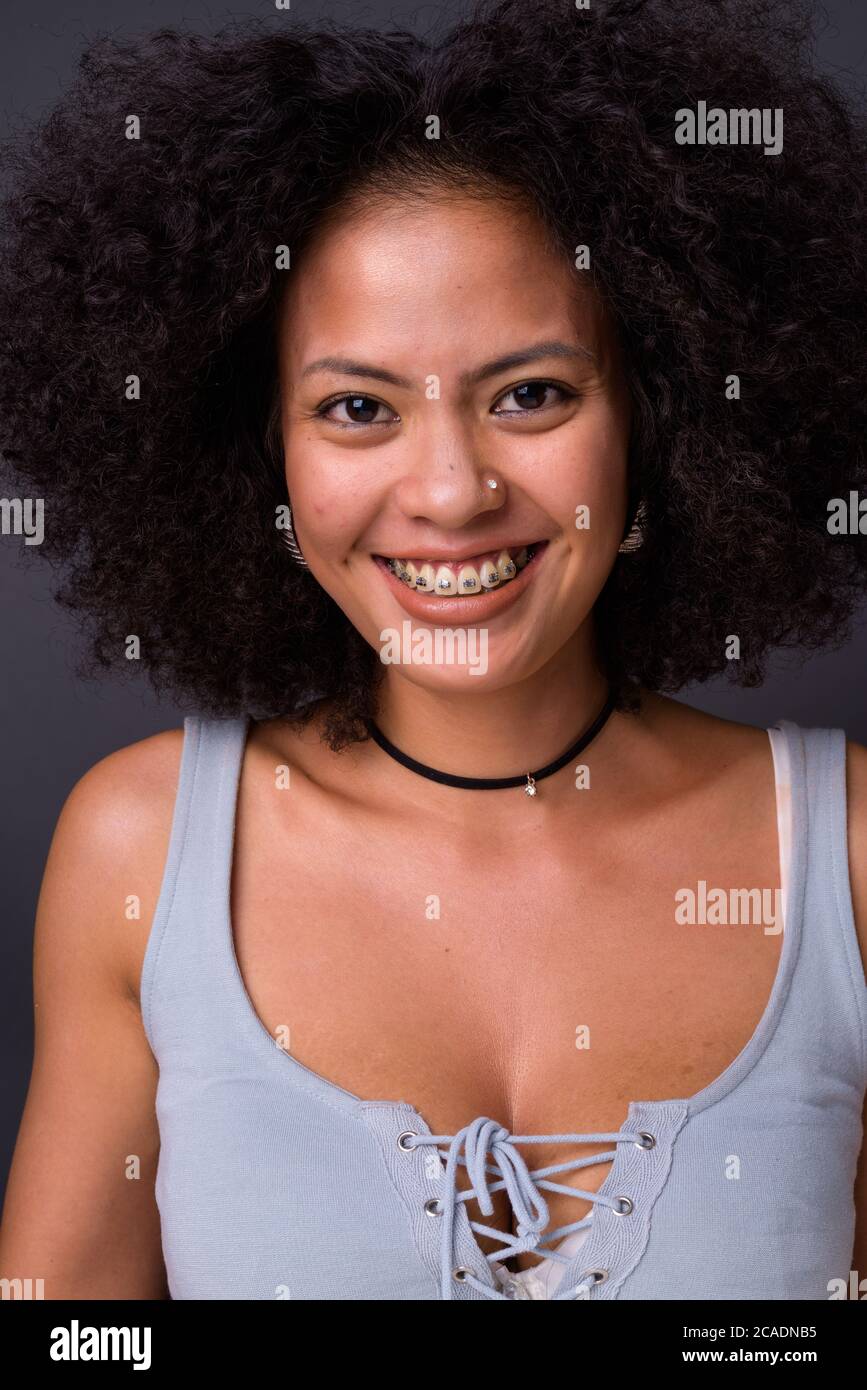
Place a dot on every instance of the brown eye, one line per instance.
(531, 396)
(360, 410)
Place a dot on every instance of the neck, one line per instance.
(497, 733)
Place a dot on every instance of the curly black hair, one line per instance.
(155, 257)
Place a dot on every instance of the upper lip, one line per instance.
(445, 556)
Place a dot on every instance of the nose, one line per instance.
(446, 479)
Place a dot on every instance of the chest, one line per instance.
(545, 990)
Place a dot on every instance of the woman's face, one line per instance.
(426, 349)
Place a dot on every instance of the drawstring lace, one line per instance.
(522, 1184)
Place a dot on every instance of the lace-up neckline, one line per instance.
(471, 1146)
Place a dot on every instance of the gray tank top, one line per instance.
(274, 1182)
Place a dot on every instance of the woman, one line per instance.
(441, 953)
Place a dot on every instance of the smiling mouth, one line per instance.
(467, 578)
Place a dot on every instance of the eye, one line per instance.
(530, 394)
(361, 411)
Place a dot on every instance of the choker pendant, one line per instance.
(530, 788)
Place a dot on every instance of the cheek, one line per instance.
(333, 504)
(588, 482)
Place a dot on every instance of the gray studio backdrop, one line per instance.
(53, 726)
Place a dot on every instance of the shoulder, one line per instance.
(124, 797)
(707, 747)
(716, 749)
(109, 849)
(143, 766)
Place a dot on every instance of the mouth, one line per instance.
(450, 579)
(470, 590)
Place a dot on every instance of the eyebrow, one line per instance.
(520, 358)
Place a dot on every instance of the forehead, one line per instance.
(431, 275)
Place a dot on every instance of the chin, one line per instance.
(459, 660)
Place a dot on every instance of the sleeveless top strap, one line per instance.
(187, 948)
(783, 784)
(834, 978)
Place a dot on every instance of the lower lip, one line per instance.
(430, 608)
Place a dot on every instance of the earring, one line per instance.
(292, 542)
(634, 539)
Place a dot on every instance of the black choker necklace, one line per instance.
(527, 781)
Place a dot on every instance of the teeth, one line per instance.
(427, 578)
(445, 581)
(468, 580)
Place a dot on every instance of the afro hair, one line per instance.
(154, 258)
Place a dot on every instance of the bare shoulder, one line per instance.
(709, 743)
(135, 776)
(695, 725)
(93, 1233)
(705, 748)
(111, 840)
(856, 798)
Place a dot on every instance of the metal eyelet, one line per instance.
(460, 1274)
(625, 1207)
(597, 1275)
(402, 1138)
(647, 1141)
(433, 1206)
